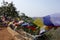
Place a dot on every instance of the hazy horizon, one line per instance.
(36, 8)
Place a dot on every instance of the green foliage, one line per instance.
(8, 9)
(26, 18)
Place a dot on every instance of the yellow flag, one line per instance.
(39, 22)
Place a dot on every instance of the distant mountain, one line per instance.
(37, 17)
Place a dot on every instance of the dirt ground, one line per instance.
(5, 35)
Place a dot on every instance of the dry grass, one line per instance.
(55, 34)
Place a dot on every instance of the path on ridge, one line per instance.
(5, 35)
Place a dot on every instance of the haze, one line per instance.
(36, 8)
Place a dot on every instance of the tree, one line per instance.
(26, 18)
(9, 10)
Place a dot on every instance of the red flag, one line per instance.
(31, 27)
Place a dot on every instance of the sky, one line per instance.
(36, 8)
